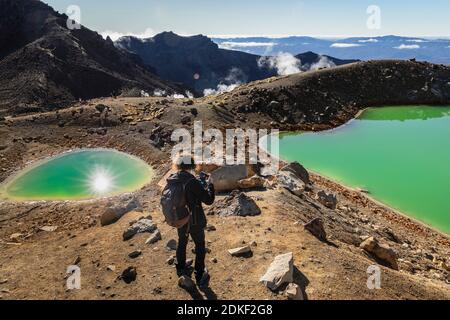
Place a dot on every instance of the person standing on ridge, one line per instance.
(181, 203)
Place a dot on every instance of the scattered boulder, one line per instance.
(252, 182)
(48, 228)
(76, 261)
(154, 238)
(291, 182)
(226, 178)
(206, 167)
(15, 237)
(98, 131)
(381, 252)
(129, 275)
(101, 107)
(294, 292)
(316, 227)
(298, 170)
(114, 212)
(329, 200)
(237, 252)
(210, 228)
(280, 271)
(141, 226)
(172, 245)
(111, 267)
(186, 283)
(239, 204)
(135, 254)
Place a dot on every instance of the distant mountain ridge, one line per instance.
(44, 65)
(198, 62)
(363, 48)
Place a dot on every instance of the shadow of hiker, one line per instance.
(196, 293)
(209, 293)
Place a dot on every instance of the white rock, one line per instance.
(227, 177)
(294, 292)
(114, 212)
(280, 271)
(239, 251)
(49, 228)
(291, 182)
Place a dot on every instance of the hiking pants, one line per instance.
(198, 235)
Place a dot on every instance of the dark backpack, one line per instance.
(174, 205)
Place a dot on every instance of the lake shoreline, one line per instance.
(365, 194)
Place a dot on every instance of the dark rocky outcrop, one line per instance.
(237, 204)
(199, 63)
(316, 228)
(328, 98)
(45, 65)
(298, 170)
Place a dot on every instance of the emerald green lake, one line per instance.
(401, 155)
(78, 175)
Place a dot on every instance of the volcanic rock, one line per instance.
(239, 205)
(227, 177)
(381, 252)
(114, 212)
(298, 170)
(291, 182)
(281, 271)
(329, 200)
(316, 227)
(237, 252)
(141, 226)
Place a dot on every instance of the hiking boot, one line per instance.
(202, 279)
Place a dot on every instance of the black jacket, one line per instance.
(196, 194)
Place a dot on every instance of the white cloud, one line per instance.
(221, 88)
(344, 45)
(159, 93)
(323, 63)
(233, 80)
(368, 40)
(407, 47)
(114, 35)
(284, 63)
(232, 45)
(416, 40)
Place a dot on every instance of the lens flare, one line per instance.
(101, 181)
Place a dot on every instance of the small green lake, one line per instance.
(401, 155)
(78, 175)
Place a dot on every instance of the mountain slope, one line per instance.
(199, 63)
(194, 61)
(44, 65)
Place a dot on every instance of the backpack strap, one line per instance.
(188, 229)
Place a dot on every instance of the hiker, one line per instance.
(182, 206)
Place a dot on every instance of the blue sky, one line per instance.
(263, 17)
